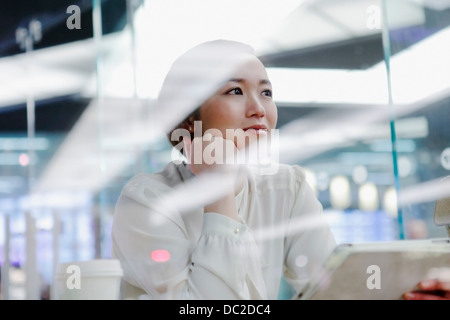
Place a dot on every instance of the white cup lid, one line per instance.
(96, 267)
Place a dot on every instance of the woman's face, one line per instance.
(244, 102)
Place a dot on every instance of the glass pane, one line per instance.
(48, 203)
(418, 50)
(334, 117)
(77, 102)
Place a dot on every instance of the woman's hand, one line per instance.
(215, 154)
(431, 289)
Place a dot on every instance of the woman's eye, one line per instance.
(236, 91)
(267, 93)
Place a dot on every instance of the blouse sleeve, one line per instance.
(157, 254)
(310, 240)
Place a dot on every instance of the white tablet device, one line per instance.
(378, 270)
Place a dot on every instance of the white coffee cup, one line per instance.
(88, 280)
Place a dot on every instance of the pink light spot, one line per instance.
(24, 160)
(160, 255)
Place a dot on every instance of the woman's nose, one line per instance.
(254, 107)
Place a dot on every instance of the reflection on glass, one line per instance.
(419, 48)
(325, 59)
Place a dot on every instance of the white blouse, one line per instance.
(171, 249)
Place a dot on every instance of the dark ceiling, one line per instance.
(53, 16)
(60, 113)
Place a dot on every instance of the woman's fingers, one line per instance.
(430, 289)
(422, 296)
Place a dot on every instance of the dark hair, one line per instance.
(187, 124)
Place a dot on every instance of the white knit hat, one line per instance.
(194, 77)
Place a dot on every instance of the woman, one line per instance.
(215, 226)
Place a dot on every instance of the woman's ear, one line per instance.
(185, 125)
(190, 122)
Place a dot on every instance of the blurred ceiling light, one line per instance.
(406, 166)
(368, 197)
(359, 174)
(390, 202)
(340, 193)
(445, 158)
(365, 158)
(403, 145)
(354, 87)
(13, 143)
(405, 128)
(323, 180)
(24, 160)
(15, 159)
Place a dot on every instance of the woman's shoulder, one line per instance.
(147, 185)
(280, 171)
(283, 176)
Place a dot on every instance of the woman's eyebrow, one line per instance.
(241, 80)
(238, 80)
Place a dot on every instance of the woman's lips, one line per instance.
(256, 130)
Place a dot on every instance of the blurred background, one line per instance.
(362, 88)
